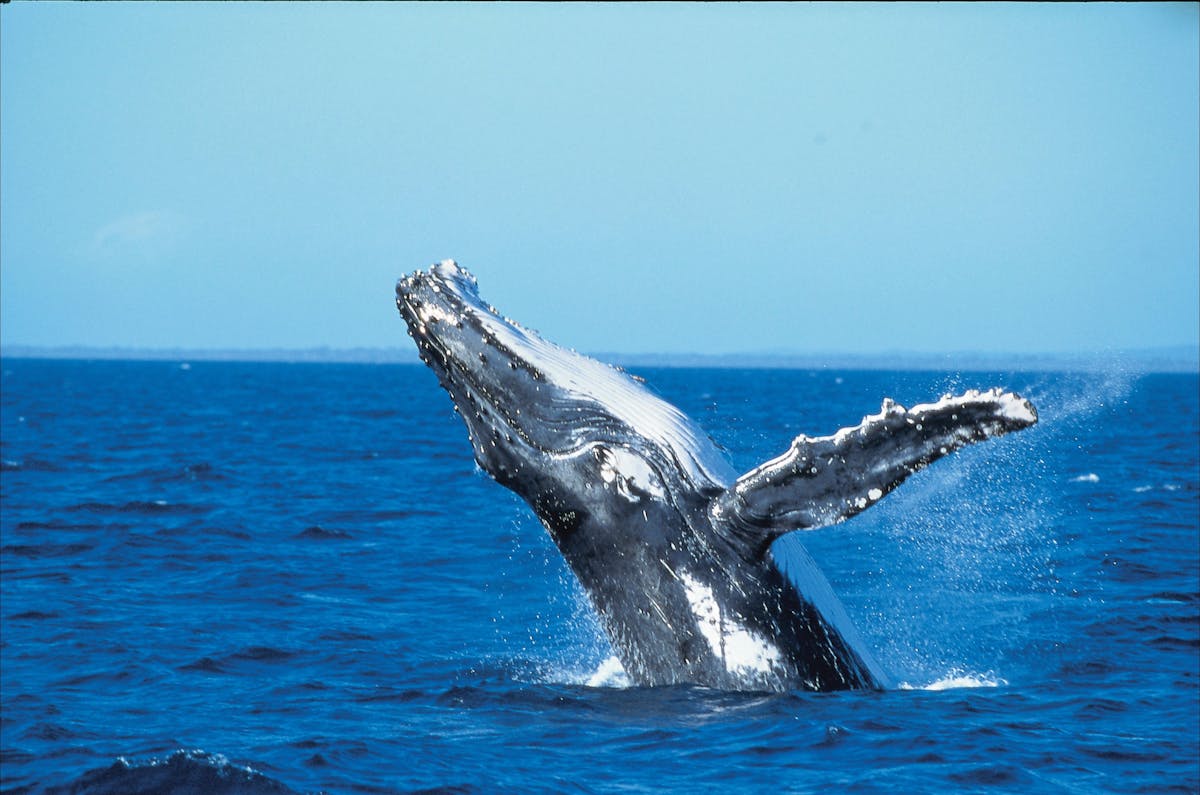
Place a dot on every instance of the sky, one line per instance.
(639, 178)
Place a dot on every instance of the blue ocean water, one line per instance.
(233, 577)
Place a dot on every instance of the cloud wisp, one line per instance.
(146, 235)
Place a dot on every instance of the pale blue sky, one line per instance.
(633, 177)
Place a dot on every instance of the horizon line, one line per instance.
(1173, 358)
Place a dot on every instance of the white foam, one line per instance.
(1090, 477)
(610, 674)
(957, 679)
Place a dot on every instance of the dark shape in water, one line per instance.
(673, 550)
(182, 773)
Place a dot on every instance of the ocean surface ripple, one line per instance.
(278, 578)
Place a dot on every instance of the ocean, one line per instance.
(247, 577)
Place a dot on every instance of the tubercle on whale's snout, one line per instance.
(444, 274)
(451, 326)
(443, 290)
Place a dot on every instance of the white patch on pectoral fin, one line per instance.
(822, 481)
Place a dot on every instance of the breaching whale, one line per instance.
(673, 548)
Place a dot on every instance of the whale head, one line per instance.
(529, 403)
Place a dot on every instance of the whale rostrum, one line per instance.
(674, 550)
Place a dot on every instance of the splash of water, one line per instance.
(983, 537)
(955, 679)
(609, 674)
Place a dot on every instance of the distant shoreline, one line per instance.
(1182, 359)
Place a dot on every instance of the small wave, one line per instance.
(51, 732)
(33, 615)
(992, 775)
(201, 471)
(182, 773)
(1173, 597)
(373, 517)
(135, 506)
(344, 636)
(28, 465)
(958, 679)
(376, 414)
(1090, 477)
(267, 654)
(1174, 642)
(58, 525)
(227, 663)
(204, 665)
(45, 550)
(318, 533)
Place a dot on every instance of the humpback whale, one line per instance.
(675, 549)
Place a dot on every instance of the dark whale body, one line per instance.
(673, 550)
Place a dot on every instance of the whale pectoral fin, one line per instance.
(819, 482)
